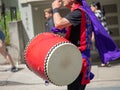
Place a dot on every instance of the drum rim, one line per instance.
(47, 59)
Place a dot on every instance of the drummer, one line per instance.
(79, 32)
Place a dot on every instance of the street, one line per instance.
(106, 78)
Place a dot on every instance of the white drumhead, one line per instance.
(63, 64)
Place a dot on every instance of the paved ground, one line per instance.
(106, 78)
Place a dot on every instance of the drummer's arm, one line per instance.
(60, 22)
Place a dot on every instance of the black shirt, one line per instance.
(75, 19)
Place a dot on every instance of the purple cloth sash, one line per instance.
(107, 48)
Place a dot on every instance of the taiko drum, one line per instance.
(53, 58)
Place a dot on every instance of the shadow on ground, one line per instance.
(5, 70)
(13, 83)
(97, 62)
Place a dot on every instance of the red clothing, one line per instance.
(85, 43)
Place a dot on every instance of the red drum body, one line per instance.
(54, 58)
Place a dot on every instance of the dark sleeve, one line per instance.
(74, 17)
(51, 24)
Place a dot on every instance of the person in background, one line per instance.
(100, 14)
(97, 8)
(79, 32)
(48, 13)
(3, 51)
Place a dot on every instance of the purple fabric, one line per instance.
(86, 54)
(91, 75)
(55, 30)
(63, 30)
(107, 48)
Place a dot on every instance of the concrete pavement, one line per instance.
(106, 78)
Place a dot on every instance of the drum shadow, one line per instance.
(13, 83)
(5, 70)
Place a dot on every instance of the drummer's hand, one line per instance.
(57, 4)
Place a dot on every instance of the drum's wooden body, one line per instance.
(54, 58)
